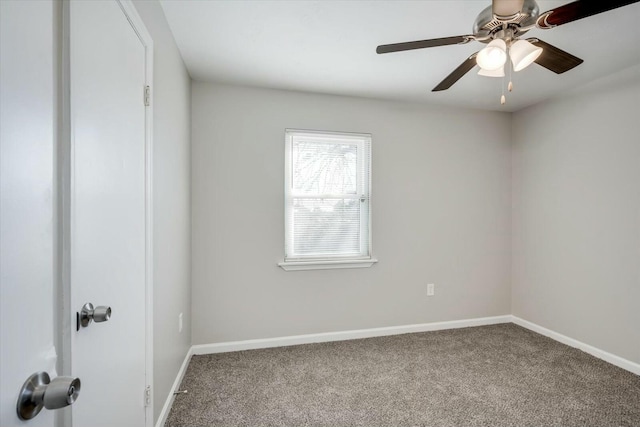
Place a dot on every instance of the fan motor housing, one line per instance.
(486, 24)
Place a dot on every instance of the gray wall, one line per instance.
(171, 203)
(441, 200)
(576, 214)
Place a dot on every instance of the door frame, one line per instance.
(65, 163)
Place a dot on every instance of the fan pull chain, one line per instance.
(503, 100)
(510, 87)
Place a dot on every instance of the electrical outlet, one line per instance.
(431, 289)
(180, 322)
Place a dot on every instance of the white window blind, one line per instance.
(327, 195)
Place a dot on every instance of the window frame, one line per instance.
(363, 188)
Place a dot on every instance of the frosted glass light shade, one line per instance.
(493, 56)
(523, 53)
(492, 73)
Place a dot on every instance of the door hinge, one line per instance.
(147, 96)
(147, 396)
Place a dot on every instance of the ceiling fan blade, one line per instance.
(506, 8)
(554, 59)
(577, 10)
(457, 74)
(421, 44)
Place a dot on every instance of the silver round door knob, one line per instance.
(90, 313)
(39, 391)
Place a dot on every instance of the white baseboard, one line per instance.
(600, 354)
(344, 335)
(162, 418)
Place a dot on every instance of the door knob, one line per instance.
(98, 314)
(40, 391)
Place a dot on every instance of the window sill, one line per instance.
(326, 264)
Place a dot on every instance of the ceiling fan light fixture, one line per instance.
(504, 22)
(493, 56)
(523, 54)
(499, 72)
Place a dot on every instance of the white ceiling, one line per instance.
(329, 47)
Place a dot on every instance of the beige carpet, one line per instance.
(501, 375)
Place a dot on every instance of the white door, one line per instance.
(108, 212)
(27, 200)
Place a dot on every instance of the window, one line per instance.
(327, 203)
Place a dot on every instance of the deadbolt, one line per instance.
(98, 314)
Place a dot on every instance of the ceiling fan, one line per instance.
(502, 26)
